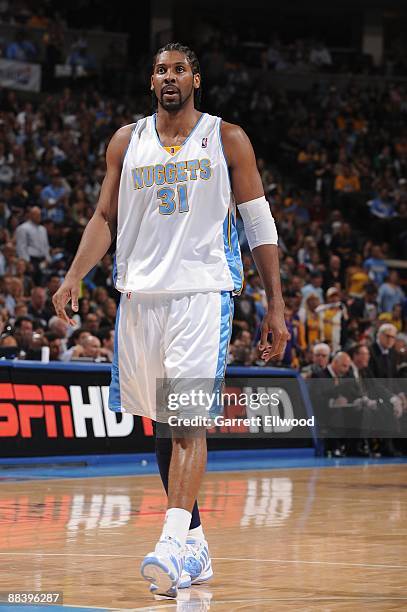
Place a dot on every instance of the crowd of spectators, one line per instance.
(298, 55)
(51, 169)
(337, 285)
(222, 51)
(40, 34)
(337, 187)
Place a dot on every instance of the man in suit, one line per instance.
(375, 404)
(331, 403)
(383, 365)
(320, 360)
(383, 358)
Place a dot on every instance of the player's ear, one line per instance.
(152, 83)
(197, 81)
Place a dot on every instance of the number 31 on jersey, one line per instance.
(171, 199)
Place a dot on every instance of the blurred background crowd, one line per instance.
(332, 157)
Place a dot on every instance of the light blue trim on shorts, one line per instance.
(226, 318)
(115, 403)
(225, 332)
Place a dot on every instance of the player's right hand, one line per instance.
(68, 291)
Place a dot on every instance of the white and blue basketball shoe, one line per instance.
(163, 567)
(197, 564)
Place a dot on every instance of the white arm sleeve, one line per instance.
(258, 222)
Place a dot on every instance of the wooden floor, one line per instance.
(301, 539)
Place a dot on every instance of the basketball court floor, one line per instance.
(285, 533)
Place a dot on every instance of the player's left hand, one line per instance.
(274, 323)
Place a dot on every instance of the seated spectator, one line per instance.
(356, 276)
(60, 328)
(6, 297)
(333, 275)
(104, 274)
(91, 323)
(330, 400)
(290, 358)
(320, 359)
(240, 354)
(106, 336)
(7, 171)
(383, 363)
(390, 292)
(89, 350)
(5, 214)
(19, 200)
(309, 318)
(347, 181)
(374, 403)
(20, 310)
(10, 259)
(375, 266)
(320, 55)
(383, 359)
(400, 347)
(109, 312)
(77, 338)
(395, 317)
(53, 284)
(100, 296)
(81, 60)
(83, 311)
(294, 208)
(54, 199)
(7, 340)
(314, 286)
(332, 317)
(21, 48)
(23, 333)
(382, 206)
(55, 346)
(304, 255)
(344, 243)
(22, 272)
(245, 313)
(254, 287)
(37, 306)
(17, 290)
(38, 341)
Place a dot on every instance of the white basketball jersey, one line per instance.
(176, 218)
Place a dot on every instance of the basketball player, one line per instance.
(169, 196)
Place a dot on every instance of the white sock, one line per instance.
(197, 533)
(176, 524)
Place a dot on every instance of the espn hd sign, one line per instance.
(47, 411)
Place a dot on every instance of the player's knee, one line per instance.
(187, 436)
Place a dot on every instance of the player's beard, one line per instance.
(176, 104)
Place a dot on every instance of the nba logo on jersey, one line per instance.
(204, 143)
(172, 150)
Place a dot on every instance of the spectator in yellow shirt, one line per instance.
(347, 181)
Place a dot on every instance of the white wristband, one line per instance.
(258, 222)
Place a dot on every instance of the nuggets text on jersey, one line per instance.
(172, 172)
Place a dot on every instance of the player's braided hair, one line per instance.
(193, 62)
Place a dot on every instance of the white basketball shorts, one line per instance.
(167, 336)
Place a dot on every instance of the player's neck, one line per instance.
(177, 123)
